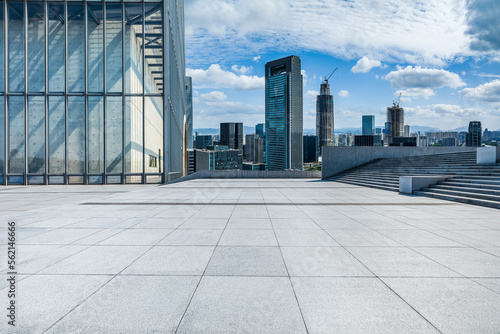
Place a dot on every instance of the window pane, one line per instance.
(2, 137)
(36, 134)
(133, 134)
(114, 44)
(16, 134)
(36, 47)
(16, 46)
(153, 44)
(114, 135)
(76, 51)
(76, 134)
(95, 134)
(56, 47)
(133, 48)
(56, 134)
(95, 52)
(154, 133)
(2, 51)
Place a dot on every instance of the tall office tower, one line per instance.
(284, 126)
(324, 116)
(406, 131)
(254, 148)
(259, 130)
(395, 123)
(93, 91)
(474, 138)
(231, 135)
(189, 112)
(311, 148)
(203, 141)
(368, 125)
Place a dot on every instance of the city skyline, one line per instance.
(447, 67)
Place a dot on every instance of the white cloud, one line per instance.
(411, 93)
(415, 32)
(418, 77)
(364, 65)
(488, 92)
(343, 93)
(242, 69)
(483, 24)
(312, 94)
(216, 76)
(214, 96)
(257, 59)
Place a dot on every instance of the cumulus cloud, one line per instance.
(364, 65)
(483, 24)
(216, 76)
(488, 92)
(257, 59)
(411, 93)
(312, 94)
(418, 77)
(214, 96)
(444, 111)
(242, 69)
(343, 93)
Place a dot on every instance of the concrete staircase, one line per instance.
(468, 183)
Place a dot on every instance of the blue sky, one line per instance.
(443, 56)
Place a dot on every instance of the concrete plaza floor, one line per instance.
(248, 256)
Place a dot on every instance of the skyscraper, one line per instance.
(368, 125)
(311, 148)
(93, 91)
(284, 126)
(324, 116)
(474, 137)
(254, 148)
(406, 131)
(259, 130)
(231, 135)
(395, 123)
(189, 112)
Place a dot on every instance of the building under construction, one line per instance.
(394, 127)
(324, 115)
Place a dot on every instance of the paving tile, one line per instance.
(58, 236)
(294, 224)
(248, 238)
(419, 238)
(355, 305)
(192, 237)
(160, 223)
(304, 238)
(107, 311)
(322, 261)
(243, 223)
(453, 305)
(172, 260)
(246, 261)
(243, 305)
(205, 223)
(361, 238)
(339, 224)
(490, 283)
(135, 237)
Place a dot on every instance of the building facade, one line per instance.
(284, 120)
(254, 148)
(394, 126)
(311, 148)
(231, 135)
(367, 140)
(324, 116)
(218, 158)
(368, 125)
(91, 92)
(189, 112)
(203, 141)
(259, 130)
(474, 136)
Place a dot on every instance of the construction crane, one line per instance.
(396, 102)
(330, 75)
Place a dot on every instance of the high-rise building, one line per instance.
(231, 135)
(254, 148)
(284, 125)
(189, 112)
(368, 125)
(474, 137)
(395, 123)
(324, 116)
(203, 141)
(450, 142)
(218, 158)
(367, 140)
(93, 91)
(406, 131)
(259, 130)
(310, 148)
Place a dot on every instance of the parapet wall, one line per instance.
(250, 174)
(337, 159)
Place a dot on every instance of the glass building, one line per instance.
(91, 92)
(324, 116)
(284, 123)
(368, 125)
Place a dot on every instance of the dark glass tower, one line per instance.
(324, 116)
(284, 129)
(474, 136)
(231, 135)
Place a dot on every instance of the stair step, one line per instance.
(466, 200)
(470, 185)
(463, 194)
(467, 189)
(369, 185)
(370, 181)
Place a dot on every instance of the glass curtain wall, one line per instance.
(81, 92)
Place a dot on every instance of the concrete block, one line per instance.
(409, 184)
(486, 155)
